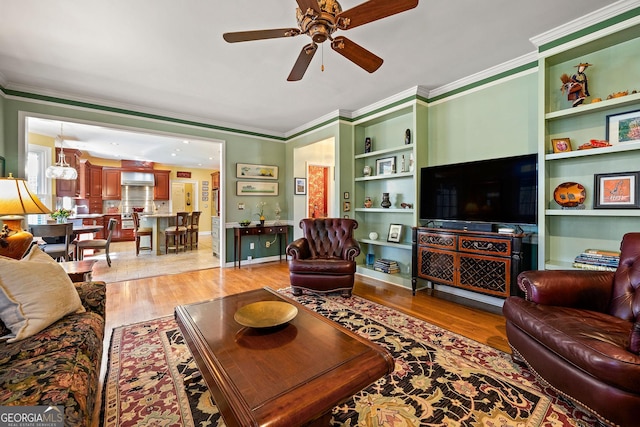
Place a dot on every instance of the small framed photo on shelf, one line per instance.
(561, 145)
(368, 145)
(346, 206)
(623, 127)
(300, 186)
(345, 195)
(386, 166)
(616, 190)
(395, 233)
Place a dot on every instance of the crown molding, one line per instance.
(585, 21)
(3, 81)
(38, 95)
(478, 78)
(384, 103)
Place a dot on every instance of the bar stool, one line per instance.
(193, 228)
(138, 232)
(178, 232)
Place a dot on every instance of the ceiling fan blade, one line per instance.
(356, 54)
(302, 63)
(372, 10)
(245, 36)
(306, 4)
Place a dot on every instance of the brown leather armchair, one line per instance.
(579, 331)
(324, 259)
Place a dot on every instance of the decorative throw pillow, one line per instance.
(634, 341)
(34, 293)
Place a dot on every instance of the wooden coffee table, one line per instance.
(290, 375)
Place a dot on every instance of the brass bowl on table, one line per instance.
(265, 314)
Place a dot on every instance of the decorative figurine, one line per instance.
(367, 145)
(407, 136)
(576, 86)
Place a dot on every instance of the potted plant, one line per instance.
(61, 215)
(260, 214)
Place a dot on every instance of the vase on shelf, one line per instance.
(61, 220)
(386, 203)
(368, 202)
(366, 171)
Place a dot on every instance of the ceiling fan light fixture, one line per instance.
(61, 169)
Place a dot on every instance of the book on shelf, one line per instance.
(593, 267)
(386, 266)
(602, 252)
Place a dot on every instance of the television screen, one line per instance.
(496, 191)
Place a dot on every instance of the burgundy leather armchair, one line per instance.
(324, 259)
(579, 331)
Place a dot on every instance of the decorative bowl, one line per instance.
(265, 314)
(569, 194)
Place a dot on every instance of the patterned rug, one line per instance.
(440, 378)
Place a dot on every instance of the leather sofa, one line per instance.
(323, 260)
(59, 365)
(579, 332)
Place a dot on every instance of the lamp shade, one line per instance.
(16, 200)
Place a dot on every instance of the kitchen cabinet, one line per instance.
(111, 189)
(90, 180)
(483, 262)
(119, 235)
(161, 191)
(96, 221)
(215, 180)
(69, 187)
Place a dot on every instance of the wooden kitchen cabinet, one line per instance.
(69, 187)
(111, 189)
(215, 180)
(96, 221)
(162, 190)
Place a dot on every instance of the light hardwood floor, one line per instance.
(143, 299)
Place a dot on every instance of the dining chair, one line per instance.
(192, 229)
(139, 232)
(99, 244)
(177, 232)
(53, 234)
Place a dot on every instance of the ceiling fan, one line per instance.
(319, 19)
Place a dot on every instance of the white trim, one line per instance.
(171, 116)
(587, 20)
(384, 102)
(309, 125)
(3, 80)
(488, 73)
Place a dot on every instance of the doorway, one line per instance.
(318, 191)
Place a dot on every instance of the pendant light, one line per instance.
(61, 170)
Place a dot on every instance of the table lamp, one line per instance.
(16, 200)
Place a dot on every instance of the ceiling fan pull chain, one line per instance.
(322, 67)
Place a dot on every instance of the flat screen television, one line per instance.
(497, 191)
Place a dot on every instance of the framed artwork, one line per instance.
(246, 170)
(395, 232)
(623, 127)
(300, 186)
(254, 188)
(616, 190)
(345, 195)
(561, 145)
(346, 206)
(386, 166)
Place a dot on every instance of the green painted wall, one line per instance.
(498, 120)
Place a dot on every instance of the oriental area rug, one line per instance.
(440, 378)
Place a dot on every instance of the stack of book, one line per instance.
(597, 259)
(386, 266)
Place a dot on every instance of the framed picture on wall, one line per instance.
(300, 186)
(256, 188)
(246, 170)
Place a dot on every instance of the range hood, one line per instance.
(137, 179)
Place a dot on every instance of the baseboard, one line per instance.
(230, 264)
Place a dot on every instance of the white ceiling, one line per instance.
(168, 57)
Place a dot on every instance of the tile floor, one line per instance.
(125, 265)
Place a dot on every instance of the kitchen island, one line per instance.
(158, 222)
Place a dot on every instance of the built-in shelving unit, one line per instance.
(387, 131)
(564, 233)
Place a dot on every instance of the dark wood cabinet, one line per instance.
(162, 190)
(69, 187)
(483, 262)
(111, 189)
(95, 221)
(95, 182)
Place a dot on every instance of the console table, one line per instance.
(240, 232)
(483, 262)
